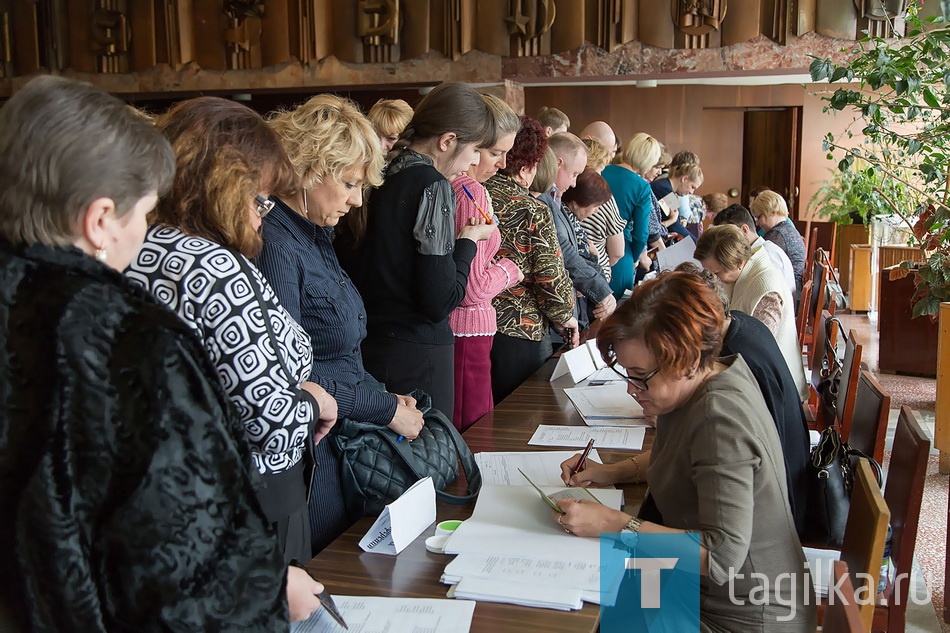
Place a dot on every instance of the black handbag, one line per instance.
(830, 479)
(378, 466)
(827, 387)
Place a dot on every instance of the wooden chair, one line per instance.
(842, 614)
(811, 243)
(826, 235)
(863, 545)
(848, 385)
(801, 317)
(815, 306)
(866, 428)
(903, 493)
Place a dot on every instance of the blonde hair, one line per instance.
(664, 160)
(327, 136)
(547, 170)
(390, 117)
(642, 153)
(769, 203)
(506, 121)
(691, 171)
(724, 243)
(598, 156)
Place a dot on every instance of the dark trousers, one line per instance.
(283, 497)
(404, 366)
(513, 360)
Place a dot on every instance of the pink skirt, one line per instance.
(473, 397)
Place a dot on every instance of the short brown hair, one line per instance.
(528, 149)
(226, 154)
(591, 189)
(676, 316)
(65, 144)
(451, 107)
(552, 118)
(390, 117)
(724, 243)
(716, 202)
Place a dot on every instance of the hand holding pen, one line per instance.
(305, 594)
(468, 194)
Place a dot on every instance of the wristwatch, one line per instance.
(633, 525)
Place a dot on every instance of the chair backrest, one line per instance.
(903, 493)
(821, 343)
(801, 317)
(847, 386)
(863, 545)
(866, 428)
(842, 614)
(827, 233)
(811, 243)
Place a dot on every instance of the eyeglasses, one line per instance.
(264, 205)
(639, 383)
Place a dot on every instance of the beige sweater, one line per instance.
(758, 278)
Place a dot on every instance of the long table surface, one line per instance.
(345, 569)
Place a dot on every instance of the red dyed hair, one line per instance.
(591, 189)
(530, 145)
(677, 316)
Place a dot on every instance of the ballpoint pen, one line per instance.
(477, 206)
(583, 460)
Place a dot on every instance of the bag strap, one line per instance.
(878, 471)
(473, 476)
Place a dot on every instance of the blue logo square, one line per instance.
(649, 582)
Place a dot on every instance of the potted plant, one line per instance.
(901, 153)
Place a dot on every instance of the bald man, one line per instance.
(601, 132)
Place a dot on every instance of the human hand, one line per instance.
(328, 409)
(589, 518)
(302, 593)
(594, 474)
(407, 421)
(520, 276)
(406, 401)
(605, 308)
(477, 230)
(593, 249)
(569, 330)
(674, 214)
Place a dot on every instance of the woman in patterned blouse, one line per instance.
(545, 296)
(195, 260)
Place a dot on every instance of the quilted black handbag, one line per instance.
(830, 480)
(377, 467)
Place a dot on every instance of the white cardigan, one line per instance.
(759, 277)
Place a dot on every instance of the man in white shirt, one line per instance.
(741, 217)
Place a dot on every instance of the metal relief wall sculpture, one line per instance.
(699, 21)
(243, 33)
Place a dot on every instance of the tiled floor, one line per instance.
(920, 395)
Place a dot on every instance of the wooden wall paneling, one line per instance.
(180, 32)
(209, 24)
(834, 18)
(572, 26)
(79, 38)
(143, 52)
(425, 26)
(743, 21)
(322, 24)
(280, 33)
(346, 45)
(656, 24)
(610, 23)
(6, 39)
(24, 37)
(720, 149)
(491, 30)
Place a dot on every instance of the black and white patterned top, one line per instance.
(204, 283)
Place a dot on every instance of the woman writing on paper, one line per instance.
(716, 467)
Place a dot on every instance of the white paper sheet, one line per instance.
(524, 594)
(402, 520)
(606, 402)
(543, 467)
(672, 256)
(603, 376)
(385, 615)
(576, 362)
(629, 438)
(821, 567)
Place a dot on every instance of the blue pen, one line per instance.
(477, 206)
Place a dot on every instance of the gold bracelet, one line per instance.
(636, 473)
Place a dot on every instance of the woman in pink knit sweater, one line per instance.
(473, 322)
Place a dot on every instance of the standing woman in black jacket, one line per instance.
(410, 266)
(126, 488)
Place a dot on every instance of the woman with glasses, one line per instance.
(716, 468)
(196, 260)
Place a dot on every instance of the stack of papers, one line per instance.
(620, 437)
(543, 467)
(607, 405)
(821, 565)
(512, 550)
(380, 615)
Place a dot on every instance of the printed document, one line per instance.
(621, 437)
(385, 615)
(606, 402)
(543, 467)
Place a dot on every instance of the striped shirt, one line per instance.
(601, 224)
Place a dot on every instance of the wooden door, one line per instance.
(771, 152)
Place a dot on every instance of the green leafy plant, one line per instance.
(902, 105)
(856, 195)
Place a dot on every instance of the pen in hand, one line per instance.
(477, 206)
(582, 462)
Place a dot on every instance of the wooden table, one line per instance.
(415, 572)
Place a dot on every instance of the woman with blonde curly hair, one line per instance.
(333, 149)
(196, 260)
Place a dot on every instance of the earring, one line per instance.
(101, 255)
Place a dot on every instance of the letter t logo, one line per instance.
(650, 578)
